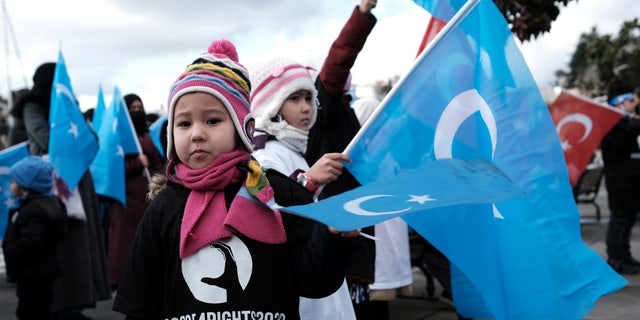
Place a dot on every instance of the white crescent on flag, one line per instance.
(354, 206)
(580, 118)
(455, 113)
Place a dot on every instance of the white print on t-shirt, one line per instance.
(226, 263)
(232, 315)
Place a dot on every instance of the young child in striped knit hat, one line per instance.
(208, 245)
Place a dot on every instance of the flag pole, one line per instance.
(454, 22)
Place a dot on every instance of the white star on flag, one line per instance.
(73, 129)
(420, 199)
(120, 151)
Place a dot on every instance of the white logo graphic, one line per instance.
(580, 118)
(221, 263)
(455, 113)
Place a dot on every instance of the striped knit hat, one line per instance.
(274, 81)
(218, 73)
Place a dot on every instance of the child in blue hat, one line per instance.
(30, 244)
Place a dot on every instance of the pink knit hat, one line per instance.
(218, 73)
(274, 81)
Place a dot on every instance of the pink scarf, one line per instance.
(206, 219)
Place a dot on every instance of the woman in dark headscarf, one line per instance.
(124, 221)
(32, 109)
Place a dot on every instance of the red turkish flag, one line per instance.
(581, 124)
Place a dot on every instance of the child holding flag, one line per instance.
(208, 246)
(285, 107)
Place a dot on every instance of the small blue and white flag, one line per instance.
(107, 169)
(72, 143)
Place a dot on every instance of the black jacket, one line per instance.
(621, 155)
(31, 241)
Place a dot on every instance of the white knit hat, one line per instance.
(273, 81)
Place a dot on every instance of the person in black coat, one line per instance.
(31, 239)
(621, 155)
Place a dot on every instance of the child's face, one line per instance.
(202, 129)
(297, 109)
(629, 106)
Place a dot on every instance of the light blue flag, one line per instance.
(460, 182)
(128, 136)
(8, 157)
(107, 169)
(72, 144)
(471, 95)
(155, 131)
(98, 112)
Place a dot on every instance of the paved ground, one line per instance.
(621, 305)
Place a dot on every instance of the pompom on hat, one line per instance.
(274, 81)
(34, 174)
(218, 73)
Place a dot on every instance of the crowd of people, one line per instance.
(200, 233)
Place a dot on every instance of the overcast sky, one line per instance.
(142, 45)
